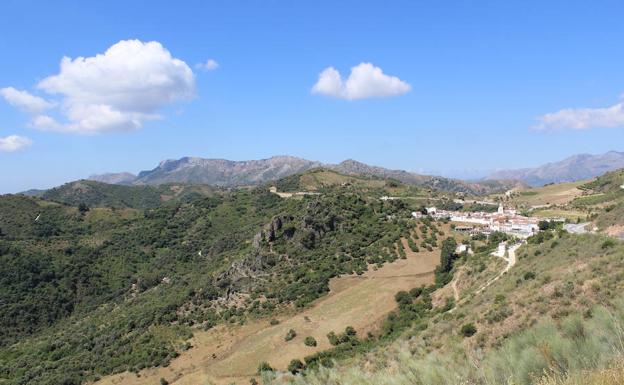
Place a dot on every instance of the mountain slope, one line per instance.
(352, 167)
(227, 173)
(114, 178)
(97, 194)
(103, 291)
(221, 172)
(573, 168)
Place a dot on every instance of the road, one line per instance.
(576, 228)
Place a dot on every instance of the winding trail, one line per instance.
(511, 261)
(455, 290)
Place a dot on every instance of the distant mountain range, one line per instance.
(573, 168)
(227, 173)
(125, 178)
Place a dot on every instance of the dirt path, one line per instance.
(455, 290)
(511, 261)
(226, 355)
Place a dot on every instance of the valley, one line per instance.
(311, 193)
(231, 354)
(223, 281)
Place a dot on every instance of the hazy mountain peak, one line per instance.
(228, 173)
(114, 178)
(572, 168)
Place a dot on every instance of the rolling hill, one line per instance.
(209, 286)
(98, 194)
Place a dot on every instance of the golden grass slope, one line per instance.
(228, 354)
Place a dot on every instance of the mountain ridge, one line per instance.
(229, 173)
(571, 169)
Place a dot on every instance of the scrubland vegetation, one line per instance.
(93, 284)
(560, 316)
(92, 291)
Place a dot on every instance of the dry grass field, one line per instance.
(556, 194)
(231, 354)
(324, 178)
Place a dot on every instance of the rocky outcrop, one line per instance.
(240, 276)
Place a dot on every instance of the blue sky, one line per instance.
(471, 81)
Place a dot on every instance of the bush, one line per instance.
(468, 330)
(309, 341)
(403, 298)
(290, 335)
(608, 244)
(333, 338)
(264, 367)
(295, 366)
(529, 275)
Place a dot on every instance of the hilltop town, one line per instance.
(506, 220)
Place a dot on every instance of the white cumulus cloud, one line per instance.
(582, 118)
(25, 101)
(364, 81)
(209, 65)
(14, 143)
(118, 90)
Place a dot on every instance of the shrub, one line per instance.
(295, 366)
(290, 335)
(416, 292)
(403, 298)
(264, 367)
(608, 244)
(468, 330)
(309, 341)
(529, 275)
(333, 338)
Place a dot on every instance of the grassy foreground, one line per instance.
(578, 350)
(563, 320)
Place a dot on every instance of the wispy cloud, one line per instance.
(25, 101)
(14, 143)
(208, 65)
(364, 81)
(582, 118)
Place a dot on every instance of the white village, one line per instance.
(506, 220)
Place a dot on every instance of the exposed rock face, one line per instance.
(222, 172)
(316, 223)
(241, 274)
(273, 228)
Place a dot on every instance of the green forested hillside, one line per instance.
(91, 292)
(609, 182)
(94, 287)
(98, 194)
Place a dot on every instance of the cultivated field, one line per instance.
(556, 194)
(231, 354)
